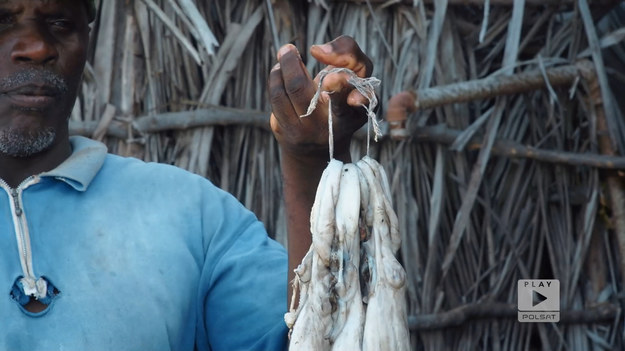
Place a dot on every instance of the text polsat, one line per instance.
(555, 317)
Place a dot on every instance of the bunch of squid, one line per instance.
(351, 287)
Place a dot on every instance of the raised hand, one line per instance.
(291, 89)
(304, 141)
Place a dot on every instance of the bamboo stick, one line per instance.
(509, 148)
(219, 115)
(115, 129)
(496, 85)
(602, 313)
(481, 2)
(616, 194)
(186, 43)
(214, 115)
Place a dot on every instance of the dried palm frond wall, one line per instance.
(488, 191)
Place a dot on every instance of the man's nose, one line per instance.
(33, 46)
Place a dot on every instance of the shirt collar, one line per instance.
(79, 169)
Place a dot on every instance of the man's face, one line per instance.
(43, 46)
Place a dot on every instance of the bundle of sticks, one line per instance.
(351, 287)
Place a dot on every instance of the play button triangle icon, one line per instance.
(537, 298)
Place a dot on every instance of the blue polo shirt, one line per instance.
(135, 256)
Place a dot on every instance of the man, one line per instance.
(100, 252)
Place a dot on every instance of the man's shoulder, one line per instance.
(133, 170)
(119, 163)
(92, 155)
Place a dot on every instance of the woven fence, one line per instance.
(509, 169)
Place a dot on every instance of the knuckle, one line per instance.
(346, 41)
(275, 125)
(347, 45)
(368, 67)
(296, 86)
(276, 95)
(274, 80)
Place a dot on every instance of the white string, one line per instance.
(368, 135)
(330, 130)
(366, 87)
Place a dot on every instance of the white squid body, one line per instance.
(386, 323)
(331, 314)
(313, 318)
(386, 320)
(350, 315)
(301, 283)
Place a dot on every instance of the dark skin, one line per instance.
(304, 141)
(48, 36)
(38, 36)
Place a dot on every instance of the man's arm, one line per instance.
(304, 141)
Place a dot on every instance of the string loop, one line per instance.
(366, 87)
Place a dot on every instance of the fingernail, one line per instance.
(285, 49)
(326, 48)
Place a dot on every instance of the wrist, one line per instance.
(299, 164)
(315, 157)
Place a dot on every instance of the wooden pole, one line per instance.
(493, 86)
(614, 183)
(601, 313)
(218, 115)
(508, 148)
(481, 2)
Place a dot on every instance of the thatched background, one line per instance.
(475, 216)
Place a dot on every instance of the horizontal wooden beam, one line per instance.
(212, 115)
(224, 116)
(601, 313)
(508, 148)
(481, 2)
(209, 116)
(497, 85)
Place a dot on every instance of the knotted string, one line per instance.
(366, 87)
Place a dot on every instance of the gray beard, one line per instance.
(18, 142)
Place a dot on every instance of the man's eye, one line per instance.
(61, 24)
(6, 18)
